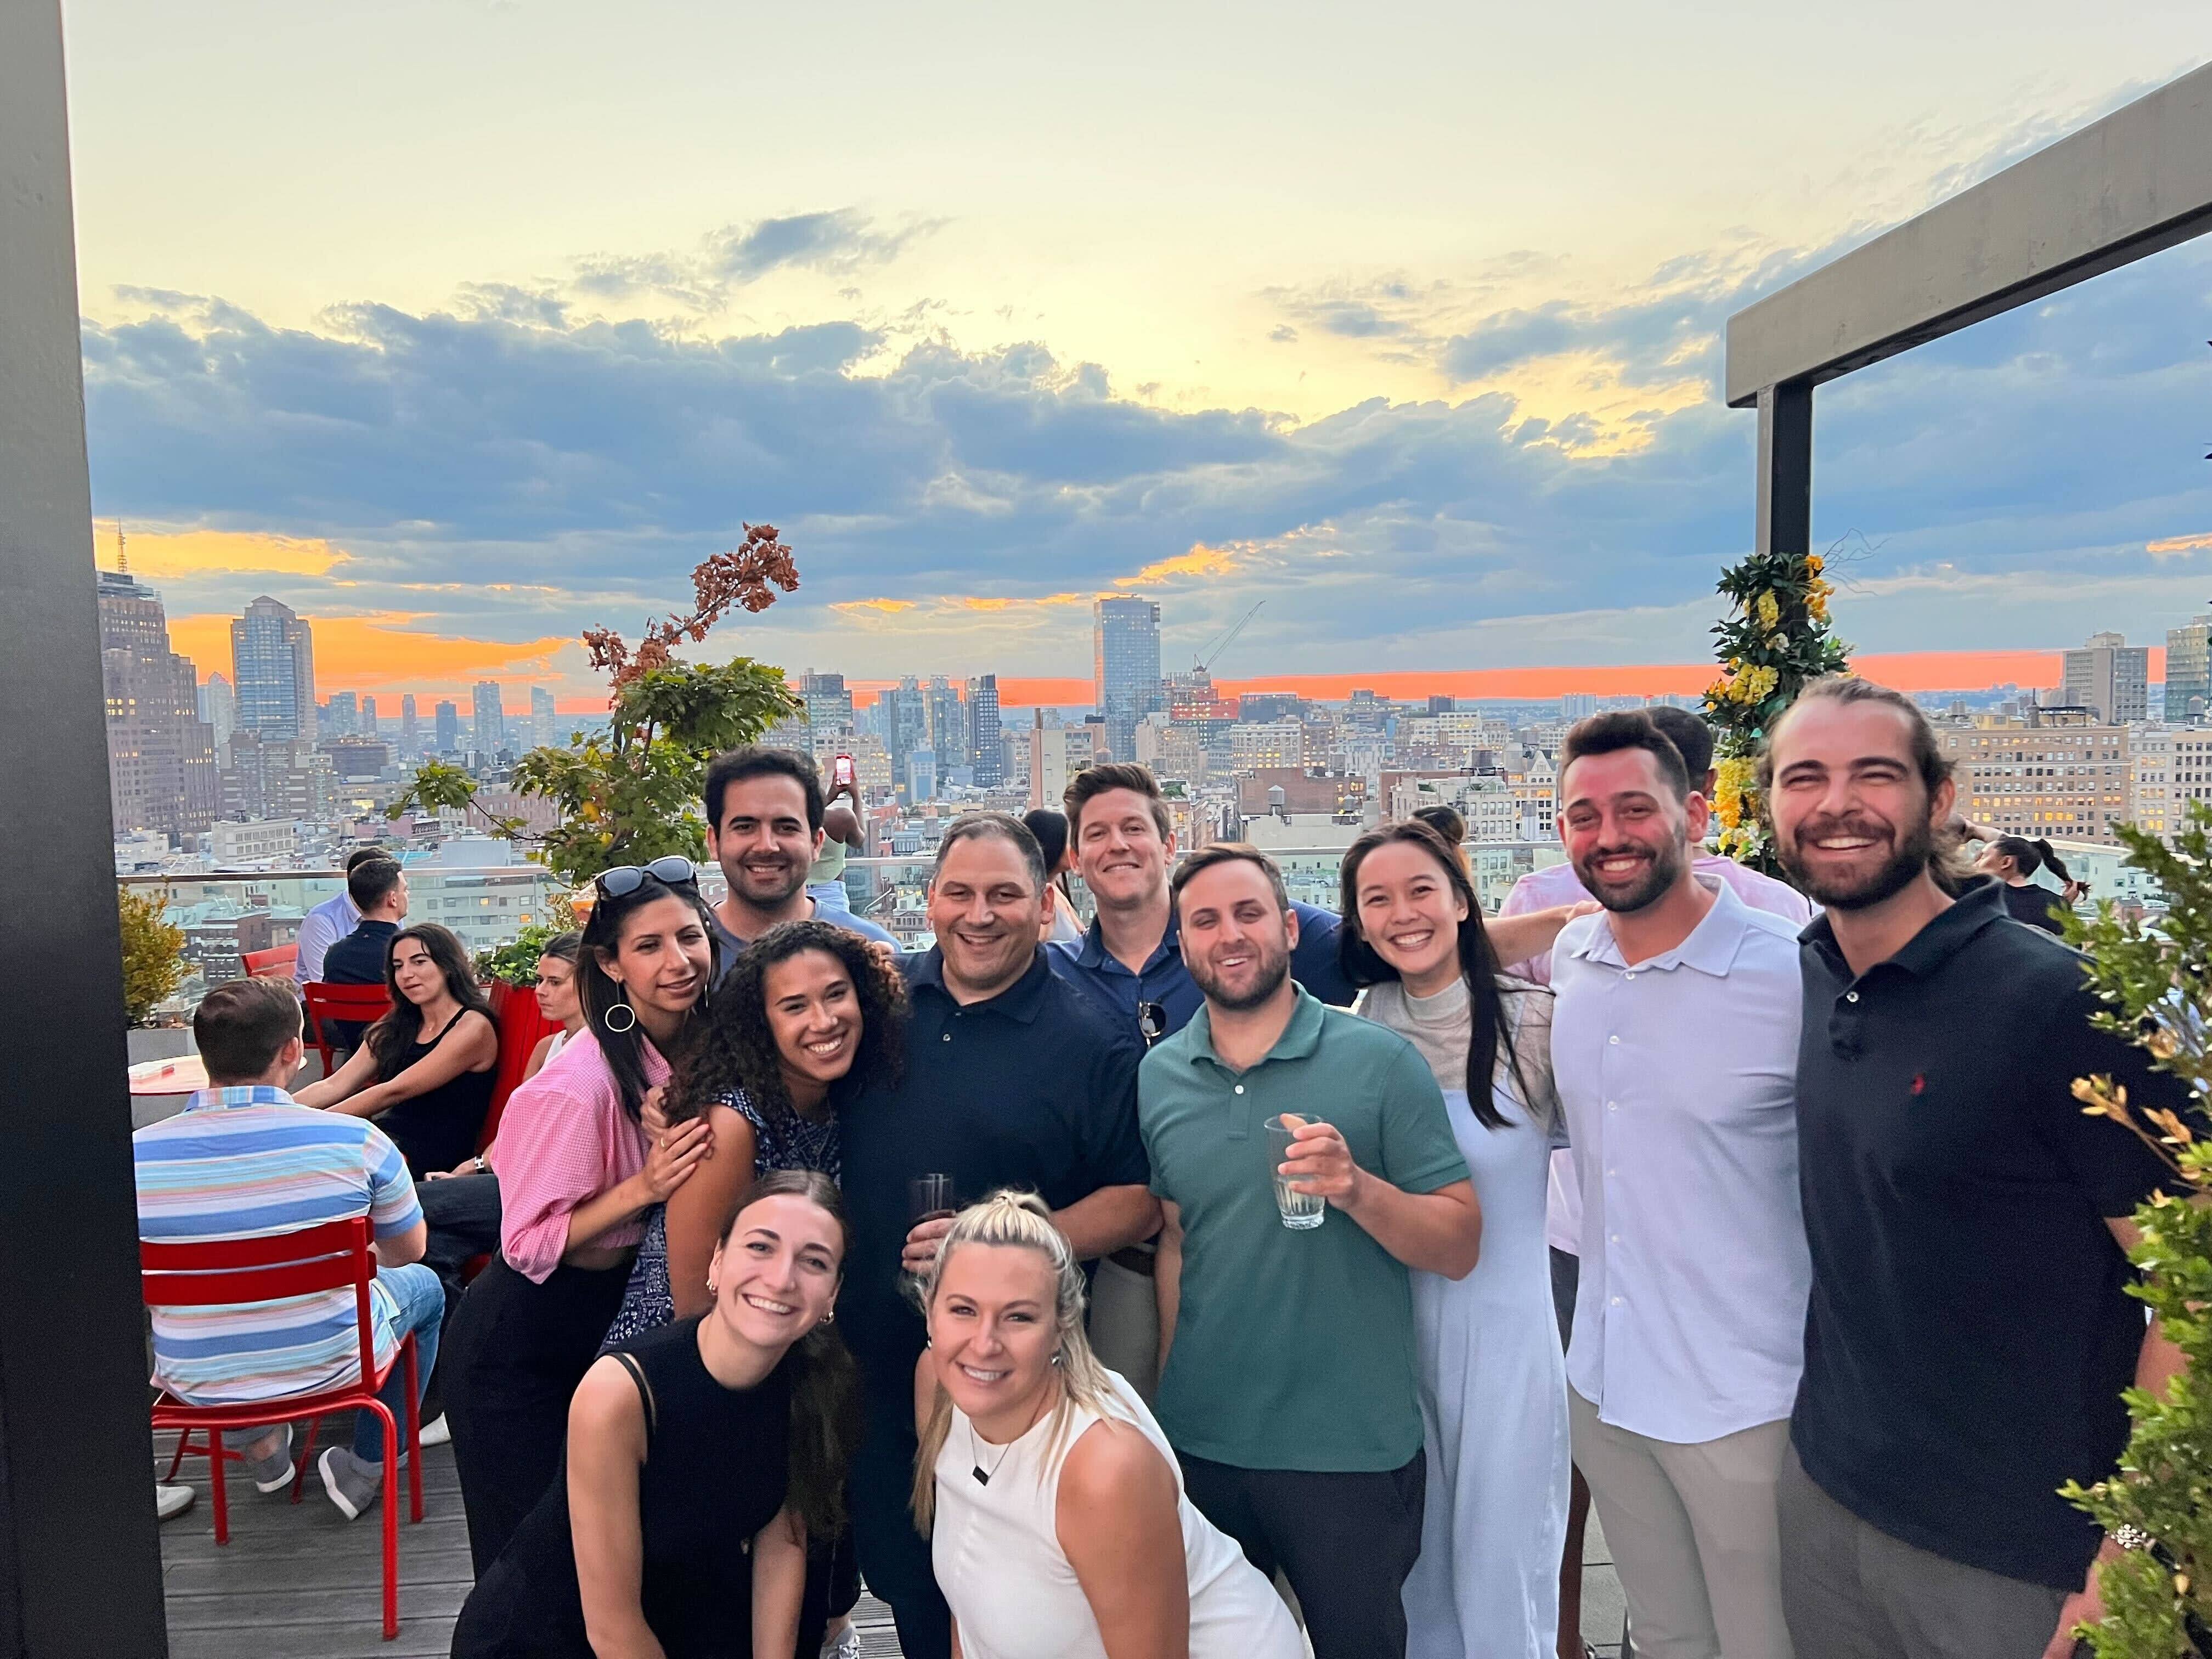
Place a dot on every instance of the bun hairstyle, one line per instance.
(2029, 856)
(1022, 1221)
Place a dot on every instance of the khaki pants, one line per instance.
(1693, 1534)
(1125, 1325)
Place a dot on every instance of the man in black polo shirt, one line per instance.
(378, 889)
(1968, 1335)
(1011, 1080)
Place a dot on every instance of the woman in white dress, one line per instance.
(1493, 1382)
(1058, 1525)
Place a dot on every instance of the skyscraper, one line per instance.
(272, 665)
(2111, 675)
(986, 738)
(368, 727)
(829, 704)
(545, 720)
(410, 745)
(218, 706)
(491, 718)
(449, 727)
(160, 755)
(2188, 671)
(948, 736)
(344, 718)
(905, 720)
(1125, 635)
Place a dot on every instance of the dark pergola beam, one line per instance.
(80, 1559)
(2137, 182)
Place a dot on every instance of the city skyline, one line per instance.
(1442, 391)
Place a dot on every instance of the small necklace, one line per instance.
(983, 1475)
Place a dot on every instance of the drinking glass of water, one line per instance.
(1299, 1210)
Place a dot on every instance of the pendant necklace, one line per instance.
(982, 1475)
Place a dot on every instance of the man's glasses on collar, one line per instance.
(674, 871)
(1153, 1020)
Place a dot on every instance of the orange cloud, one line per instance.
(169, 554)
(887, 607)
(1200, 561)
(2178, 545)
(380, 653)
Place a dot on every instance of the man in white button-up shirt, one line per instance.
(1674, 1040)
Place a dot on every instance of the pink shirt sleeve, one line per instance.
(1541, 889)
(563, 1140)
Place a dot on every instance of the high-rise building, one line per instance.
(2065, 776)
(987, 746)
(2189, 671)
(272, 665)
(948, 733)
(449, 727)
(276, 779)
(343, 719)
(829, 704)
(489, 731)
(904, 718)
(2110, 675)
(545, 720)
(368, 726)
(410, 742)
(218, 706)
(1125, 656)
(160, 755)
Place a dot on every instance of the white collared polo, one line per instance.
(1678, 1081)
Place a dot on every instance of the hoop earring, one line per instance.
(628, 1020)
(710, 1287)
(830, 1318)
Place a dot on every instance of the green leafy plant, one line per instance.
(516, 962)
(153, 955)
(1776, 638)
(633, 795)
(2156, 984)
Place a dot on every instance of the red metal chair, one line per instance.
(521, 1024)
(330, 1257)
(278, 961)
(358, 1004)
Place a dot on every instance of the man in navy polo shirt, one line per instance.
(1011, 1080)
(1969, 1333)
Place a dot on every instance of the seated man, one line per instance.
(243, 1161)
(378, 889)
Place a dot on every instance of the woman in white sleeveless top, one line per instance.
(1493, 1382)
(1059, 1527)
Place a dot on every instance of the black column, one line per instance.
(80, 1557)
(1785, 468)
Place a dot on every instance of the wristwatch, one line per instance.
(2129, 1536)
(483, 1168)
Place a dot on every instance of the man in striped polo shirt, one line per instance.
(244, 1160)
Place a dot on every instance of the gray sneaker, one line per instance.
(273, 1472)
(353, 1483)
(842, 1645)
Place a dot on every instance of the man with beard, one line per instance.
(1289, 1387)
(764, 828)
(1969, 1333)
(1010, 1079)
(1675, 1044)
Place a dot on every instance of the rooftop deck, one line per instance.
(305, 1584)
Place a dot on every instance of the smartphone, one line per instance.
(841, 773)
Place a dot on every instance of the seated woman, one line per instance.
(700, 1459)
(1058, 1520)
(558, 999)
(425, 1070)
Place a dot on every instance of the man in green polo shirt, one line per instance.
(1289, 1383)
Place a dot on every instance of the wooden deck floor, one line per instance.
(304, 1582)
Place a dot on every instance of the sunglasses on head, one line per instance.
(1153, 1020)
(673, 870)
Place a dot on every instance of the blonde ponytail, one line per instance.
(1020, 1220)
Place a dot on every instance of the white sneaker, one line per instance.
(435, 1431)
(844, 1644)
(170, 1502)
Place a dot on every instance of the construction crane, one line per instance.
(1204, 661)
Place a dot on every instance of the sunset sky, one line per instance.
(461, 326)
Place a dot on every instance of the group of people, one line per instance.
(1133, 1292)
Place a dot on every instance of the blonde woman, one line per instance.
(1059, 1527)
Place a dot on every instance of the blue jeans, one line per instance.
(422, 1303)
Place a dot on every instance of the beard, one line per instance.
(1910, 855)
(769, 886)
(1267, 978)
(1665, 869)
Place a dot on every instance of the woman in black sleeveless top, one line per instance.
(700, 1456)
(425, 1071)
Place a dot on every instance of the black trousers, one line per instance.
(514, 1354)
(1346, 1541)
(462, 1214)
(894, 1556)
